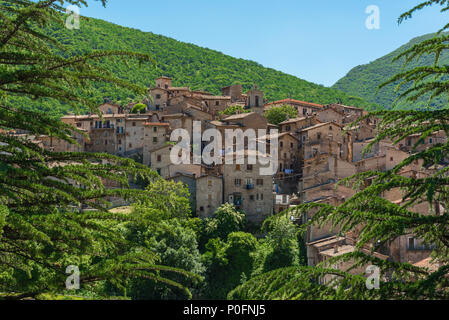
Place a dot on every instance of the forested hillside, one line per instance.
(364, 80)
(187, 64)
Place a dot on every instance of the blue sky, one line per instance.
(319, 41)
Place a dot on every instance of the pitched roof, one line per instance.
(239, 116)
(178, 89)
(207, 97)
(320, 125)
(292, 120)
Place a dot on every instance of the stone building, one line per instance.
(248, 190)
(206, 192)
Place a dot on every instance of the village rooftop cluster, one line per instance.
(314, 151)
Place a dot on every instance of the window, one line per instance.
(288, 128)
(409, 142)
(130, 145)
(304, 111)
(209, 183)
(237, 167)
(249, 181)
(281, 144)
(209, 197)
(249, 167)
(134, 124)
(430, 140)
(260, 182)
(78, 124)
(201, 209)
(330, 128)
(411, 243)
(158, 96)
(238, 182)
(119, 141)
(217, 103)
(159, 158)
(158, 107)
(260, 197)
(391, 159)
(257, 101)
(105, 142)
(251, 197)
(154, 139)
(319, 136)
(155, 129)
(291, 145)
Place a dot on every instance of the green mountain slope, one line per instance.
(187, 64)
(364, 80)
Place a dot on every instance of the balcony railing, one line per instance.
(250, 186)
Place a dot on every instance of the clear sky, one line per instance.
(319, 41)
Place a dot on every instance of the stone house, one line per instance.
(206, 192)
(234, 91)
(248, 190)
(294, 126)
(134, 132)
(330, 114)
(160, 160)
(156, 134)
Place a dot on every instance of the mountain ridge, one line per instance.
(188, 64)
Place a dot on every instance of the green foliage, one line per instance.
(365, 80)
(281, 246)
(177, 247)
(280, 114)
(42, 193)
(139, 108)
(232, 110)
(228, 263)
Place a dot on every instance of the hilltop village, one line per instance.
(317, 149)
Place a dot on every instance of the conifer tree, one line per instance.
(42, 227)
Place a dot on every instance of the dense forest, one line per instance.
(188, 64)
(364, 80)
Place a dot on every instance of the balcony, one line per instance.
(249, 186)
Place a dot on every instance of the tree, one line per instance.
(277, 115)
(231, 110)
(377, 221)
(139, 108)
(430, 81)
(177, 247)
(43, 228)
(228, 263)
